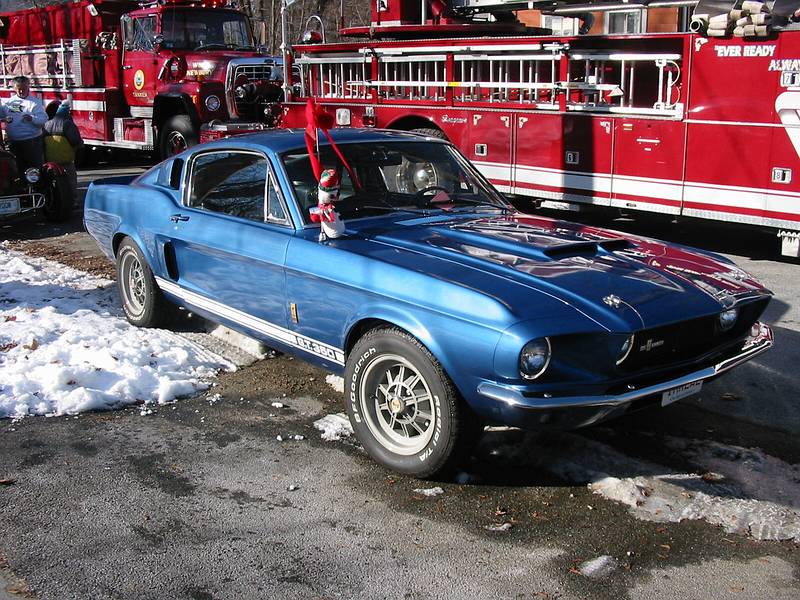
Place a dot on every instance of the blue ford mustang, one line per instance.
(442, 306)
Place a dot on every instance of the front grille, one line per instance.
(679, 342)
(247, 108)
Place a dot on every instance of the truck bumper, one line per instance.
(216, 130)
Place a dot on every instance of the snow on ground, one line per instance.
(334, 427)
(742, 490)
(66, 348)
(429, 492)
(599, 567)
(336, 382)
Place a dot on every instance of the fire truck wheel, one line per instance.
(430, 132)
(58, 200)
(403, 407)
(177, 135)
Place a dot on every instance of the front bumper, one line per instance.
(216, 130)
(26, 202)
(512, 406)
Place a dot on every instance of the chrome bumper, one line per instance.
(514, 396)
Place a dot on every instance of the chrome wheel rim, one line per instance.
(176, 143)
(398, 405)
(132, 280)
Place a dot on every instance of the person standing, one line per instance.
(61, 140)
(24, 119)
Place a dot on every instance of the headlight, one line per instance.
(727, 318)
(212, 103)
(534, 358)
(32, 175)
(625, 351)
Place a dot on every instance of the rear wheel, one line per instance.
(142, 300)
(177, 134)
(404, 409)
(58, 200)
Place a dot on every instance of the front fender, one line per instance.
(464, 349)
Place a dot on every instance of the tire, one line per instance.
(430, 132)
(177, 134)
(141, 298)
(58, 200)
(385, 369)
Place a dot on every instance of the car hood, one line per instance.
(618, 280)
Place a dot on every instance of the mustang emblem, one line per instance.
(613, 300)
(650, 344)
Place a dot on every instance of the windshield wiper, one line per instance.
(212, 45)
(456, 198)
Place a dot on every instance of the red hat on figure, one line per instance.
(328, 186)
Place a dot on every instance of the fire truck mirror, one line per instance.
(158, 41)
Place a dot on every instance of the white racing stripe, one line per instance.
(271, 330)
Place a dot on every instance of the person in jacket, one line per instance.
(61, 140)
(24, 117)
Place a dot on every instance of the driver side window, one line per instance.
(144, 29)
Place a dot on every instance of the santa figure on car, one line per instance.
(331, 224)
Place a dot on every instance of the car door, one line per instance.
(140, 63)
(227, 244)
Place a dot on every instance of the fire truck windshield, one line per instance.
(198, 29)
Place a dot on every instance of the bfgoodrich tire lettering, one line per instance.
(403, 407)
(142, 300)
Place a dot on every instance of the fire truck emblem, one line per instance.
(787, 105)
(138, 79)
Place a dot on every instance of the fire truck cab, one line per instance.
(145, 76)
(703, 123)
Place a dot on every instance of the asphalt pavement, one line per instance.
(201, 500)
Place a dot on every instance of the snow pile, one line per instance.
(599, 567)
(336, 382)
(66, 349)
(334, 427)
(429, 492)
(758, 495)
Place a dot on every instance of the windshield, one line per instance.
(195, 29)
(395, 176)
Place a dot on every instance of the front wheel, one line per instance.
(58, 200)
(177, 134)
(404, 409)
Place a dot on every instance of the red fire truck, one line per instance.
(145, 75)
(703, 124)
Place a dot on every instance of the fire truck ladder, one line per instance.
(56, 66)
(522, 74)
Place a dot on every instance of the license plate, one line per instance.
(9, 206)
(690, 389)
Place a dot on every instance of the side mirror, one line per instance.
(175, 171)
(158, 41)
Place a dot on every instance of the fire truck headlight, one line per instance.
(213, 103)
(32, 175)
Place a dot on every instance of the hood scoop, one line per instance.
(586, 249)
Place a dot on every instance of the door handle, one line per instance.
(178, 217)
(126, 67)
